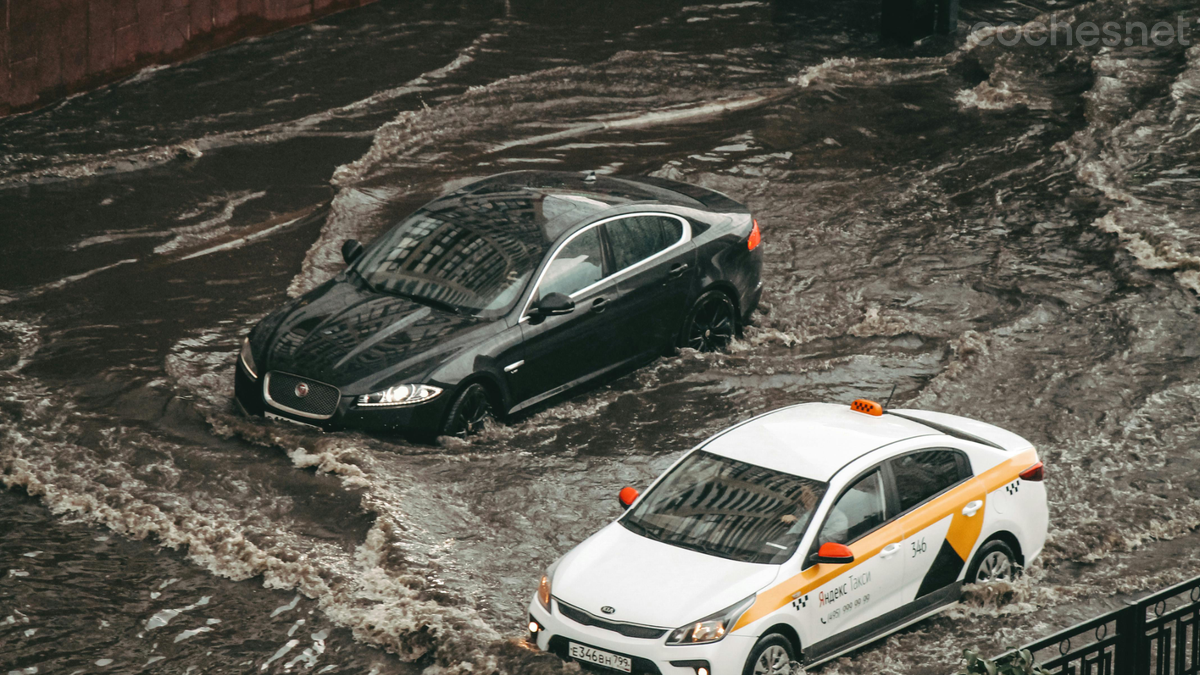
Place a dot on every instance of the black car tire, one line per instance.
(711, 324)
(991, 552)
(469, 412)
(770, 643)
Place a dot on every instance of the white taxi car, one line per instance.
(798, 535)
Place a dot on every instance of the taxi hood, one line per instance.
(651, 583)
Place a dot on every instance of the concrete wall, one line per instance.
(51, 48)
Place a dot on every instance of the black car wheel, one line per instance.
(711, 324)
(469, 413)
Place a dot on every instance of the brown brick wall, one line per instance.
(51, 48)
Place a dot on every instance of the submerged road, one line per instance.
(1006, 233)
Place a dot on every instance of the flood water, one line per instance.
(1007, 233)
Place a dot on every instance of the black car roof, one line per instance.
(550, 202)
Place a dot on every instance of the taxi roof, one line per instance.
(813, 440)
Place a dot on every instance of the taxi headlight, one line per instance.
(543, 591)
(401, 394)
(711, 628)
(247, 359)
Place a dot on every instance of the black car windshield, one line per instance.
(473, 265)
(728, 508)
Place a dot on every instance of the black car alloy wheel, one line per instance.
(469, 413)
(711, 324)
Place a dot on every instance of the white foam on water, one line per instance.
(214, 226)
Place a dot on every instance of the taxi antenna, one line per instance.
(889, 399)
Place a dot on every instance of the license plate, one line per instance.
(601, 658)
(281, 418)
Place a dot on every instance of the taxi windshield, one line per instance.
(728, 508)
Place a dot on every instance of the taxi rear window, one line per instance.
(728, 508)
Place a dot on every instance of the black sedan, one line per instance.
(502, 294)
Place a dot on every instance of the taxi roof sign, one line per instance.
(866, 407)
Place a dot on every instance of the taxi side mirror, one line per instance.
(627, 496)
(834, 553)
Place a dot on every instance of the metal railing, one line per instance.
(1158, 635)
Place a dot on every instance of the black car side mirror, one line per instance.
(554, 304)
(351, 249)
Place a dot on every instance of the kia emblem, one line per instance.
(607, 610)
(301, 390)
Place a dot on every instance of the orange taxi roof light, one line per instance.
(866, 407)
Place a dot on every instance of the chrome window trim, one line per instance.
(267, 396)
(684, 239)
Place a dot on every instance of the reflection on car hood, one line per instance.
(651, 583)
(345, 334)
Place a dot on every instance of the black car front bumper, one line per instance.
(423, 420)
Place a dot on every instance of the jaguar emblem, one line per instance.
(608, 610)
(301, 390)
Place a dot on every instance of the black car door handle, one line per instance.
(599, 305)
(677, 270)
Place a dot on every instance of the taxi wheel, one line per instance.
(471, 410)
(711, 324)
(773, 655)
(995, 561)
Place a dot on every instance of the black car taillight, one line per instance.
(755, 237)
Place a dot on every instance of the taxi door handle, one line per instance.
(890, 550)
(972, 508)
(599, 305)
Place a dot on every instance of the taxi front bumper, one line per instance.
(649, 657)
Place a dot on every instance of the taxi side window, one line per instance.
(859, 510)
(922, 475)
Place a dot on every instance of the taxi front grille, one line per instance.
(627, 629)
(301, 396)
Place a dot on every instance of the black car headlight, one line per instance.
(712, 628)
(247, 359)
(399, 395)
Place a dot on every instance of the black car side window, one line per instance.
(637, 238)
(859, 510)
(922, 475)
(578, 265)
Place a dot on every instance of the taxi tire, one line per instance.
(989, 548)
(765, 643)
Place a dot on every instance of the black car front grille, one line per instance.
(627, 629)
(319, 402)
(560, 647)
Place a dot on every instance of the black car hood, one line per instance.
(357, 339)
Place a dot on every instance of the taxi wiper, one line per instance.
(647, 530)
(701, 546)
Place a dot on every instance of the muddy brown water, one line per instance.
(1008, 233)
